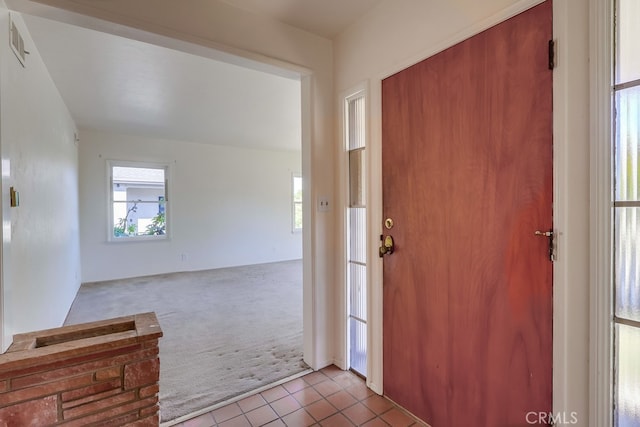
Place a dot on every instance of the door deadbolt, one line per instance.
(388, 223)
(387, 246)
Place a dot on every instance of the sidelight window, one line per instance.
(627, 215)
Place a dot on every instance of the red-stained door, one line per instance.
(467, 180)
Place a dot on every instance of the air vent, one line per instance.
(17, 43)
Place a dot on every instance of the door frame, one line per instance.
(562, 327)
(601, 256)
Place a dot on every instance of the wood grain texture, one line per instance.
(467, 179)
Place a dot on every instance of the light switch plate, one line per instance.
(323, 204)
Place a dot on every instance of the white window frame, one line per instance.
(134, 164)
(601, 225)
(294, 202)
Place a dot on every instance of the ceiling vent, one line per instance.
(17, 43)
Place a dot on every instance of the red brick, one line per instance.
(4, 386)
(44, 390)
(118, 422)
(38, 412)
(99, 405)
(141, 373)
(107, 358)
(147, 422)
(115, 412)
(91, 398)
(107, 374)
(150, 344)
(149, 391)
(59, 360)
(151, 410)
(92, 389)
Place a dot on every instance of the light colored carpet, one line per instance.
(226, 331)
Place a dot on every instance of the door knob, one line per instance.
(387, 246)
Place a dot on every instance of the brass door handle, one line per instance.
(387, 246)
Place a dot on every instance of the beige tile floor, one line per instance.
(329, 398)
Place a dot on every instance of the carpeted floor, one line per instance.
(226, 331)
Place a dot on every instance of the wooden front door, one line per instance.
(467, 180)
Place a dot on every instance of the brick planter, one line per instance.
(104, 373)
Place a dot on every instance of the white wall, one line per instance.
(227, 206)
(398, 33)
(41, 259)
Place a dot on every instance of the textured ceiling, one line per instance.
(121, 85)
(326, 18)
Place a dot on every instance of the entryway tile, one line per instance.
(377, 404)
(358, 414)
(337, 420)
(327, 388)
(336, 398)
(342, 399)
(205, 420)
(397, 418)
(252, 402)
(261, 416)
(275, 393)
(295, 385)
(226, 413)
(299, 418)
(307, 396)
(285, 406)
(321, 409)
(240, 421)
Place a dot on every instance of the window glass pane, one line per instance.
(139, 201)
(358, 291)
(297, 203)
(627, 144)
(297, 188)
(627, 263)
(356, 117)
(358, 348)
(356, 178)
(358, 235)
(297, 221)
(627, 392)
(628, 34)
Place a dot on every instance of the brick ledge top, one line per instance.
(75, 340)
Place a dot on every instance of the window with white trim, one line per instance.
(296, 215)
(138, 201)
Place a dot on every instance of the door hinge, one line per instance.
(552, 243)
(552, 54)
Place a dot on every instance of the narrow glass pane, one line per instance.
(358, 348)
(356, 123)
(627, 261)
(297, 212)
(356, 178)
(627, 144)
(627, 36)
(627, 392)
(358, 235)
(358, 291)
(297, 188)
